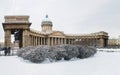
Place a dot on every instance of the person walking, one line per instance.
(5, 51)
(8, 50)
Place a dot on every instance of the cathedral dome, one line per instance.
(46, 25)
(47, 21)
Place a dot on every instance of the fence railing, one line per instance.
(12, 52)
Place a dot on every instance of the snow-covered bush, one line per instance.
(24, 51)
(85, 51)
(39, 54)
(67, 51)
(54, 53)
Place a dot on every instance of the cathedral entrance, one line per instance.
(18, 34)
(16, 26)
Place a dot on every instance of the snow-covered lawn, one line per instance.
(102, 63)
(109, 50)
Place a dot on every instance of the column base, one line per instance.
(16, 45)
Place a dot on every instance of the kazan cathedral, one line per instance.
(47, 36)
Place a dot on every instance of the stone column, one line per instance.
(61, 40)
(65, 41)
(71, 41)
(106, 42)
(55, 42)
(36, 41)
(87, 41)
(7, 38)
(48, 41)
(90, 41)
(26, 40)
(58, 41)
(95, 42)
(101, 42)
(32, 41)
(44, 40)
(41, 41)
(51, 41)
(68, 41)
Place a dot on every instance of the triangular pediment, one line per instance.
(57, 33)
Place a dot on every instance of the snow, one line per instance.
(109, 50)
(102, 63)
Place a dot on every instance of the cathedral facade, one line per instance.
(47, 36)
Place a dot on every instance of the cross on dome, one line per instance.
(46, 20)
(46, 16)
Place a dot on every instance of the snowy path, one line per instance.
(101, 64)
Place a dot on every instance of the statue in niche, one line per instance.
(16, 34)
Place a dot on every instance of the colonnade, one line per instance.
(89, 41)
(92, 41)
(33, 40)
(40, 40)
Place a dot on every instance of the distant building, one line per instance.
(114, 43)
(48, 36)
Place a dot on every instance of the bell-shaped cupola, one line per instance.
(46, 25)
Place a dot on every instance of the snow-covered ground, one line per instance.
(102, 63)
(109, 50)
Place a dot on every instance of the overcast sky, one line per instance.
(70, 16)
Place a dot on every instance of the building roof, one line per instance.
(16, 19)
